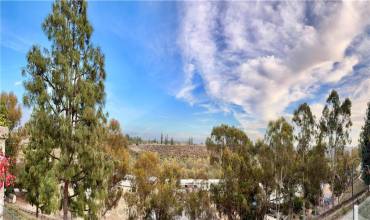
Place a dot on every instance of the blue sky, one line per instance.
(143, 64)
(183, 67)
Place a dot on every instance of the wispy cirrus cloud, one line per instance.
(14, 41)
(256, 59)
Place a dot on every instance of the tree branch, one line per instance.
(54, 157)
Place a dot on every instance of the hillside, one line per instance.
(173, 151)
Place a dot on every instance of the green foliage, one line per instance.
(155, 193)
(279, 136)
(134, 140)
(196, 168)
(334, 131)
(343, 173)
(10, 110)
(265, 156)
(317, 168)
(197, 205)
(65, 87)
(239, 194)
(39, 179)
(335, 123)
(297, 204)
(251, 173)
(222, 137)
(365, 147)
(165, 200)
(304, 124)
(116, 149)
(10, 116)
(3, 121)
(13, 147)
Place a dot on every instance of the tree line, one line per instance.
(284, 172)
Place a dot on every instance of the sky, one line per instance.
(181, 68)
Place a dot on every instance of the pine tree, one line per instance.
(65, 88)
(365, 147)
(38, 176)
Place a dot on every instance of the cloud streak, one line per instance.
(256, 59)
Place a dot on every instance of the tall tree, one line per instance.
(265, 156)
(279, 136)
(304, 122)
(222, 137)
(317, 173)
(365, 147)
(65, 85)
(239, 194)
(334, 131)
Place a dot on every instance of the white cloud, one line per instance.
(264, 56)
(359, 94)
(18, 83)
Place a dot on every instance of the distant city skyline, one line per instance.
(180, 68)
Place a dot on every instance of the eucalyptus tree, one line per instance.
(304, 124)
(156, 193)
(198, 205)
(279, 136)
(265, 156)
(317, 173)
(65, 85)
(239, 194)
(222, 137)
(335, 125)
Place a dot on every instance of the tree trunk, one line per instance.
(304, 209)
(37, 211)
(65, 201)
